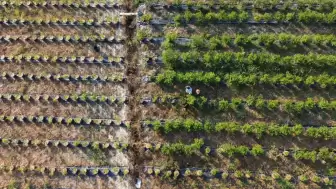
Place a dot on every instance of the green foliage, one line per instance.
(167, 174)
(13, 185)
(169, 77)
(182, 149)
(214, 172)
(231, 150)
(146, 17)
(258, 129)
(303, 178)
(257, 150)
(190, 99)
(243, 62)
(305, 155)
(260, 104)
(142, 34)
(306, 17)
(211, 17)
(176, 174)
(223, 105)
(275, 175)
(238, 80)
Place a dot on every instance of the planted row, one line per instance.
(62, 78)
(67, 171)
(62, 120)
(170, 77)
(264, 40)
(306, 17)
(73, 98)
(197, 147)
(59, 39)
(248, 62)
(60, 4)
(61, 59)
(253, 102)
(259, 103)
(258, 129)
(63, 143)
(237, 174)
(322, 154)
(60, 22)
(177, 148)
(264, 5)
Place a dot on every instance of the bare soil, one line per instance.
(51, 12)
(53, 156)
(61, 132)
(67, 50)
(50, 87)
(64, 182)
(63, 68)
(57, 30)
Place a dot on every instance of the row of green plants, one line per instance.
(275, 175)
(72, 98)
(59, 4)
(258, 103)
(59, 39)
(323, 154)
(62, 120)
(247, 62)
(264, 40)
(263, 5)
(60, 22)
(61, 59)
(169, 77)
(258, 129)
(64, 143)
(62, 77)
(177, 148)
(254, 102)
(306, 17)
(66, 171)
(322, 5)
(211, 17)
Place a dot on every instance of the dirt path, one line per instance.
(134, 82)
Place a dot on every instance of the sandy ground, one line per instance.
(66, 182)
(43, 156)
(58, 30)
(69, 132)
(63, 68)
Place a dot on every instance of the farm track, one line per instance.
(132, 73)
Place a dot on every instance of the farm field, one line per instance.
(261, 113)
(176, 94)
(64, 95)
